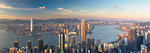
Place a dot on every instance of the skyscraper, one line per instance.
(16, 44)
(83, 31)
(73, 40)
(29, 47)
(132, 38)
(40, 45)
(148, 37)
(130, 35)
(31, 25)
(61, 41)
(29, 44)
(143, 49)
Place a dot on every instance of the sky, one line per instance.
(82, 9)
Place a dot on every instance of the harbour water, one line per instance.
(105, 33)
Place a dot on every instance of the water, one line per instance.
(105, 33)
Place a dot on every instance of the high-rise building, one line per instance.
(40, 28)
(72, 40)
(12, 50)
(16, 44)
(83, 31)
(78, 27)
(31, 25)
(61, 41)
(29, 44)
(52, 49)
(40, 45)
(132, 38)
(88, 28)
(29, 47)
(130, 35)
(143, 49)
(148, 37)
(138, 28)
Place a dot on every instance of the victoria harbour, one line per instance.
(7, 38)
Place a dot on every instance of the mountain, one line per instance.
(7, 21)
(144, 23)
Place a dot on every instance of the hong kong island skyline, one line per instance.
(87, 9)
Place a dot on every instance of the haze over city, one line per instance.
(88, 9)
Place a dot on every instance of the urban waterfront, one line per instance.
(74, 26)
(105, 34)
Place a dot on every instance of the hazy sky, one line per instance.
(90, 9)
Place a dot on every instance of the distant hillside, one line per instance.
(144, 23)
(5, 21)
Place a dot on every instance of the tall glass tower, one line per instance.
(83, 31)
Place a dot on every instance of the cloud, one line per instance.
(83, 10)
(12, 17)
(3, 6)
(61, 13)
(60, 8)
(64, 10)
(6, 7)
(42, 7)
(114, 6)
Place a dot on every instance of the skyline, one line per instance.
(89, 9)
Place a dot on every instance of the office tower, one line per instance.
(45, 46)
(148, 37)
(143, 49)
(99, 45)
(29, 44)
(132, 38)
(52, 49)
(90, 42)
(130, 35)
(78, 46)
(140, 41)
(16, 44)
(29, 47)
(138, 28)
(123, 45)
(61, 41)
(31, 25)
(67, 31)
(66, 38)
(35, 49)
(40, 45)
(40, 28)
(105, 48)
(64, 30)
(110, 46)
(88, 28)
(46, 51)
(72, 40)
(13, 50)
(135, 34)
(83, 32)
(78, 27)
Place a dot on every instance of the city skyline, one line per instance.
(89, 9)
